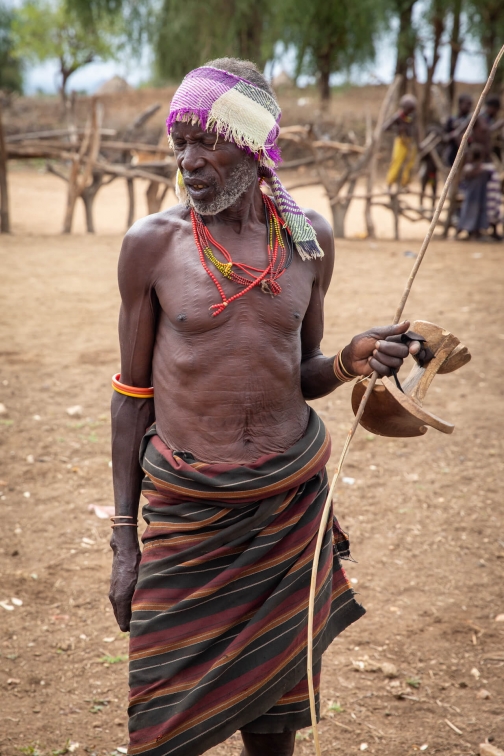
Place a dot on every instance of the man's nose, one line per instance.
(192, 158)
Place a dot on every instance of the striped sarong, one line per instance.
(219, 625)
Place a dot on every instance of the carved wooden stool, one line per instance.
(392, 412)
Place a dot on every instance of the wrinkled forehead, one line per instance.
(193, 127)
(230, 106)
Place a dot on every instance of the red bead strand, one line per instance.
(274, 269)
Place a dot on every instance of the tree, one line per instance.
(430, 44)
(456, 40)
(487, 25)
(11, 74)
(190, 32)
(137, 20)
(330, 36)
(406, 40)
(44, 31)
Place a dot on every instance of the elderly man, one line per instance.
(220, 329)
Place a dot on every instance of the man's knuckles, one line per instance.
(393, 349)
(379, 367)
(388, 360)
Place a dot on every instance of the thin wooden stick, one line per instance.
(372, 381)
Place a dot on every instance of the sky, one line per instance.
(471, 69)
(43, 78)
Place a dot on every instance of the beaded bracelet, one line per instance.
(340, 371)
(136, 393)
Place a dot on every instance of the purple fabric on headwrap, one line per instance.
(249, 117)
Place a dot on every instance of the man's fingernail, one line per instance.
(377, 345)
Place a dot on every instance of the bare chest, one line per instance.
(188, 287)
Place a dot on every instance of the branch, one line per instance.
(340, 146)
(53, 133)
(131, 173)
(50, 168)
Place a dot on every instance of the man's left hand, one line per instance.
(379, 349)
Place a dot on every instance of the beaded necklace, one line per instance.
(249, 276)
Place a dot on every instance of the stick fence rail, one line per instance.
(88, 158)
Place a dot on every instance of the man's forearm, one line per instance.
(318, 377)
(130, 419)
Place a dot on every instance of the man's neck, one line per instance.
(247, 211)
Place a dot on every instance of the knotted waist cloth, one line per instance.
(219, 625)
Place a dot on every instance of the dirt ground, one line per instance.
(425, 515)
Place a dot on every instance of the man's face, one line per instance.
(216, 173)
(465, 105)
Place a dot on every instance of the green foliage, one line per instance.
(92, 10)
(413, 682)
(190, 32)
(336, 707)
(331, 36)
(61, 751)
(138, 19)
(11, 74)
(98, 705)
(487, 26)
(31, 750)
(45, 31)
(406, 33)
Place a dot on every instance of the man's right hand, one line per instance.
(124, 574)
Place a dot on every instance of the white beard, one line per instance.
(240, 179)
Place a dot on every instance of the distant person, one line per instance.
(491, 111)
(494, 200)
(404, 151)
(455, 128)
(476, 175)
(428, 169)
(490, 115)
(486, 132)
(487, 127)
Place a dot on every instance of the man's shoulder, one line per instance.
(158, 225)
(151, 239)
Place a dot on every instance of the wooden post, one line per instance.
(72, 195)
(375, 148)
(394, 202)
(131, 202)
(155, 195)
(87, 156)
(4, 194)
(452, 201)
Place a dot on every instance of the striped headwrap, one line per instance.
(248, 116)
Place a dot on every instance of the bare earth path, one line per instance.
(425, 515)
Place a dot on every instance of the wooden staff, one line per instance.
(372, 381)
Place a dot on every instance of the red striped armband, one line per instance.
(136, 393)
